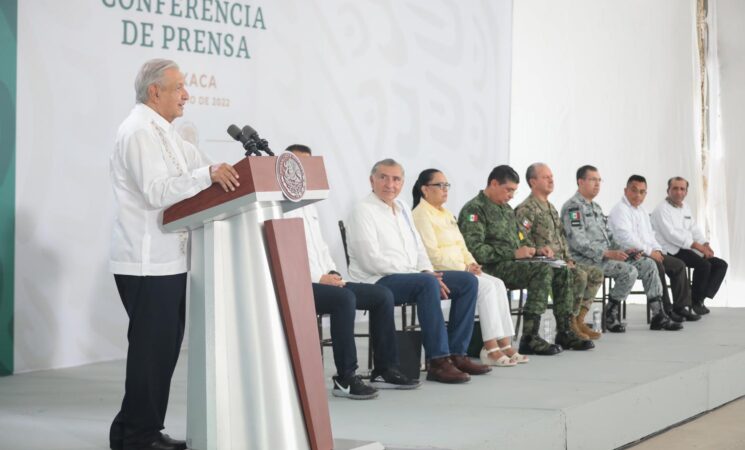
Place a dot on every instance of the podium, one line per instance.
(255, 373)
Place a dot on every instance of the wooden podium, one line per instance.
(255, 373)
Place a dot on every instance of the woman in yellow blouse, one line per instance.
(447, 251)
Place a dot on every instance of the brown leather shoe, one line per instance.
(443, 371)
(464, 364)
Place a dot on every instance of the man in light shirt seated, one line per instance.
(386, 249)
(677, 232)
(340, 299)
(633, 230)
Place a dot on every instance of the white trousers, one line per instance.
(493, 308)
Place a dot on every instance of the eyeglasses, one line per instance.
(442, 186)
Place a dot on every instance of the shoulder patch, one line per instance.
(527, 224)
(575, 217)
(472, 218)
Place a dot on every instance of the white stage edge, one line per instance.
(630, 386)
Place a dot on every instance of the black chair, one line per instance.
(607, 286)
(518, 312)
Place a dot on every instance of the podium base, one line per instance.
(351, 444)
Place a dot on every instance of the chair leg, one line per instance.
(319, 320)
(520, 304)
(606, 299)
(369, 347)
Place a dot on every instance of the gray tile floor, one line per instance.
(521, 407)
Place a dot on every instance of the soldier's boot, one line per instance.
(589, 332)
(660, 320)
(613, 317)
(530, 342)
(568, 338)
(574, 326)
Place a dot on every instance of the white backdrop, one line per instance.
(728, 136)
(424, 82)
(608, 83)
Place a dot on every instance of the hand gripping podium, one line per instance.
(255, 373)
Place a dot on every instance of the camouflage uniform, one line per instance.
(541, 225)
(589, 236)
(492, 235)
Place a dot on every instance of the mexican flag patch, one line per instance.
(527, 224)
(473, 217)
(575, 217)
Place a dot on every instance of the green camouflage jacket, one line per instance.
(490, 230)
(542, 226)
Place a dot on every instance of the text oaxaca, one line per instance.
(220, 40)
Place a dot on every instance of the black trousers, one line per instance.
(708, 274)
(676, 270)
(156, 306)
(340, 304)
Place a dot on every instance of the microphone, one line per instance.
(234, 132)
(261, 144)
(249, 144)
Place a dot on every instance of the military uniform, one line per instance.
(589, 236)
(541, 225)
(492, 235)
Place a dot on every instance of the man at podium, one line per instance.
(152, 168)
(334, 296)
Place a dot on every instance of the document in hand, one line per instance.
(553, 262)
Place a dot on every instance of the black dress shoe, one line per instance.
(163, 442)
(700, 309)
(180, 445)
(689, 315)
(662, 322)
(675, 317)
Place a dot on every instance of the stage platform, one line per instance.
(630, 386)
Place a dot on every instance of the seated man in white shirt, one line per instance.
(340, 299)
(386, 249)
(633, 230)
(679, 236)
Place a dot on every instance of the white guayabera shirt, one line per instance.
(383, 243)
(632, 228)
(319, 256)
(151, 168)
(675, 228)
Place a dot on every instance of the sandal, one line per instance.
(517, 358)
(503, 361)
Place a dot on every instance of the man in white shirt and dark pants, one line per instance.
(152, 168)
(679, 236)
(633, 230)
(385, 248)
(334, 296)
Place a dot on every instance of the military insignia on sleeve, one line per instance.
(527, 224)
(520, 235)
(473, 217)
(575, 217)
